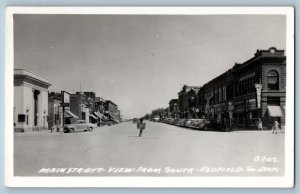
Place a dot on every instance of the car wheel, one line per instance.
(66, 130)
(205, 128)
(91, 129)
(71, 130)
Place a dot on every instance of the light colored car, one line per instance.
(79, 125)
(156, 119)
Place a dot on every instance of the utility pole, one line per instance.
(63, 113)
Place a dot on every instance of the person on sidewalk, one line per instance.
(141, 125)
(260, 125)
(275, 127)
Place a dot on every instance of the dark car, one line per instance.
(109, 122)
(181, 122)
(204, 124)
(208, 124)
(135, 120)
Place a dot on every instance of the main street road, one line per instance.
(164, 150)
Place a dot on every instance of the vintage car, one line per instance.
(110, 122)
(194, 123)
(204, 124)
(181, 122)
(156, 119)
(135, 120)
(79, 125)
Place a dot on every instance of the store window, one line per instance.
(273, 80)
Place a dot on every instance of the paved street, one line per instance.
(164, 150)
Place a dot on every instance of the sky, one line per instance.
(140, 62)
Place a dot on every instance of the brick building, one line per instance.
(79, 106)
(174, 108)
(111, 110)
(248, 91)
(243, 94)
(260, 88)
(187, 101)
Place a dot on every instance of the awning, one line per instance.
(101, 116)
(116, 120)
(98, 114)
(93, 117)
(70, 114)
(275, 111)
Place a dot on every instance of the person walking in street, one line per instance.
(260, 125)
(275, 127)
(141, 125)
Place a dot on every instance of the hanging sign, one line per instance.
(258, 95)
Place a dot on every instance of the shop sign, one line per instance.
(66, 99)
(258, 94)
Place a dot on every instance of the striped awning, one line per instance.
(98, 114)
(275, 111)
(70, 114)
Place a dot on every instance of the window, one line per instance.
(273, 80)
(21, 118)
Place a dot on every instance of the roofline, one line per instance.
(33, 74)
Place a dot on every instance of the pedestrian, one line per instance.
(275, 127)
(260, 125)
(141, 125)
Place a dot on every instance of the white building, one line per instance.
(30, 101)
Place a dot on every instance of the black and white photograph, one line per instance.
(149, 97)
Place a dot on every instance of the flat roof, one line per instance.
(30, 74)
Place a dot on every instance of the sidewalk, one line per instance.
(282, 130)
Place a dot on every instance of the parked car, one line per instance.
(204, 124)
(176, 121)
(135, 120)
(181, 122)
(194, 123)
(79, 125)
(155, 119)
(110, 122)
(171, 121)
(187, 123)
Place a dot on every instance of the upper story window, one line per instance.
(273, 80)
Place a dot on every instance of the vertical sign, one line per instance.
(66, 99)
(258, 94)
(65, 103)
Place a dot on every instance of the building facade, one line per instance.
(174, 108)
(253, 90)
(79, 106)
(248, 92)
(55, 111)
(187, 102)
(260, 88)
(111, 110)
(30, 101)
